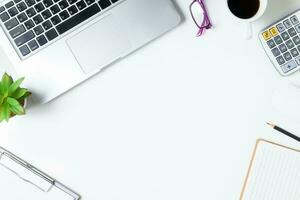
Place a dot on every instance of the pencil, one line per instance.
(281, 130)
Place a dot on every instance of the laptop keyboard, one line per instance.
(32, 24)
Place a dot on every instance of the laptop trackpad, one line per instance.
(99, 44)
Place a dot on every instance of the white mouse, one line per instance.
(287, 100)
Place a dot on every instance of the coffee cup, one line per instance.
(247, 11)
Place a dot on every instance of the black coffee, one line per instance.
(244, 9)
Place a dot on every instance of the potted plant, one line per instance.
(12, 97)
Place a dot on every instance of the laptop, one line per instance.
(57, 44)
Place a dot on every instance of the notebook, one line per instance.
(273, 174)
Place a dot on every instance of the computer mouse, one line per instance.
(286, 99)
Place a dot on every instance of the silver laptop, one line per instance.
(56, 44)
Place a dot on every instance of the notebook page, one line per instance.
(274, 174)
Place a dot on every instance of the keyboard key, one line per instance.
(81, 5)
(298, 28)
(24, 38)
(37, 19)
(30, 2)
(278, 40)
(21, 6)
(115, 1)
(283, 48)
(17, 31)
(298, 48)
(287, 56)
(48, 3)
(2, 9)
(47, 25)
(24, 50)
(29, 24)
(64, 15)
(33, 45)
(280, 60)
(287, 23)
(63, 4)
(46, 14)
(72, 10)
(78, 18)
(271, 43)
(292, 32)
(17, 1)
(276, 52)
(11, 23)
(89, 2)
(30, 12)
(290, 44)
(39, 7)
(285, 36)
(289, 66)
(13, 11)
(294, 20)
(55, 9)
(55, 20)
(41, 40)
(294, 52)
(104, 3)
(22, 17)
(9, 4)
(296, 40)
(51, 34)
(38, 30)
(4, 17)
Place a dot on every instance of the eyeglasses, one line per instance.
(200, 16)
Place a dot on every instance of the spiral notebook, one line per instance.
(21, 180)
(273, 174)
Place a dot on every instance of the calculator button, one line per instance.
(289, 66)
(296, 40)
(287, 56)
(292, 32)
(295, 52)
(283, 48)
(274, 31)
(294, 20)
(285, 36)
(298, 60)
(280, 27)
(290, 44)
(298, 28)
(276, 52)
(280, 60)
(287, 23)
(266, 35)
(271, 43)
(278, 40)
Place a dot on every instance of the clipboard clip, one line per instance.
(31, 174)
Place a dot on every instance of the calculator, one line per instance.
(281, 42)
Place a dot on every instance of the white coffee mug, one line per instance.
(248, 22)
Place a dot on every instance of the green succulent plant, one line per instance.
(12, 97)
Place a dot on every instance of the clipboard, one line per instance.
(21, 180)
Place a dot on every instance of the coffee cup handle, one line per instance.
(248, 30)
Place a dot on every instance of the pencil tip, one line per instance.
(272, 125)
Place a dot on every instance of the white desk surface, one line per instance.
(176, 120)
